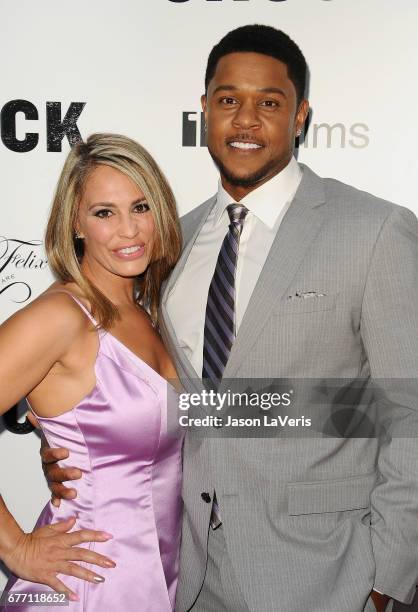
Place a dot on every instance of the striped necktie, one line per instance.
(220, 327)
(220, 324)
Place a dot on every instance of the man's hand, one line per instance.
(56, 475)
(380, 601)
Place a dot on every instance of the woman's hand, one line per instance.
(39, 556)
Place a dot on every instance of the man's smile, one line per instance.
(244, 143)
(236, 144)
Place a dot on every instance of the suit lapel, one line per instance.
(298, 229)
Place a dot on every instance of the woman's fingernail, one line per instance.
(106, 535)
(73, 597)
(110, 564)
(98, 579)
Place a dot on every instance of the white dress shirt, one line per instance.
(186, 303)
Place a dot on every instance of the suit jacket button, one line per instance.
(206, 497)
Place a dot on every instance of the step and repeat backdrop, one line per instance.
(136, 67)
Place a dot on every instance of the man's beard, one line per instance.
(251, 180)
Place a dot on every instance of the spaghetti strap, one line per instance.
(78, 301)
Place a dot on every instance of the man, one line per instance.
(301, 278)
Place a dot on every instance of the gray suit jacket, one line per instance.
(313, 523)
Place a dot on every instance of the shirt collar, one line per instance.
(267, 201)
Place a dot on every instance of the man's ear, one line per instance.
(204, 103)
(301, 115)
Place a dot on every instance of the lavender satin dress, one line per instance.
(131, 461)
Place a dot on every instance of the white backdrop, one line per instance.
(138, 67)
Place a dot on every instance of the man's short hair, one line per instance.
(267, 41)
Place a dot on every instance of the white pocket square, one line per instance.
(305, 295)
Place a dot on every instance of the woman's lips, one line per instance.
(131, 252)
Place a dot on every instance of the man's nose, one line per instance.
(246, 116)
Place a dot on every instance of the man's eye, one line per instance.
(270, 103)
(103, 213)
(141, 207)
(227, 100)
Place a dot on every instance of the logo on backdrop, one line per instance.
(182, 1)
(318, 136)
(13, 424)
(17, 257)
(56, 126)
(193, 129)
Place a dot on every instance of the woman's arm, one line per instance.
(31, 342)
(39, 556)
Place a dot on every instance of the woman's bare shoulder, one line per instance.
(54, 310)
(40, 334)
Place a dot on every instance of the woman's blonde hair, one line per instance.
(63, 248)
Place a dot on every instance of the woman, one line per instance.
(92, 365)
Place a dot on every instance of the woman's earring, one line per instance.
(79, 245)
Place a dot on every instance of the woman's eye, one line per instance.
(141, 207)
(103, 213)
